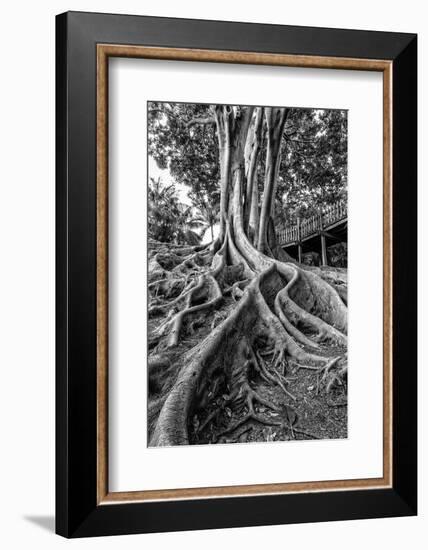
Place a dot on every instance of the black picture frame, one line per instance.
(77, 511)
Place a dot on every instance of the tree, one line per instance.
(170, 221)
(206, 214)
(313, 172)
(284, 313)
(179, 142)
(186, 224)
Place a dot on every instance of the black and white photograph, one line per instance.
(247, 273)
(185, 357)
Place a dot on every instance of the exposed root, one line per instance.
(174, 324)
(236, 290)
(275, 378)
(178, 321)
(342, 290)
(302, 432)
(250, 396)
(248, 417)
(325, 370)
(158, 309)
(337, 379)
(269, 320)
(292, 315)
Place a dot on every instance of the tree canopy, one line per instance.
(313, 167)
(188, 151)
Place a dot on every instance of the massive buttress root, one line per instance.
(255, 318)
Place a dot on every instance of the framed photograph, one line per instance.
(236, 274)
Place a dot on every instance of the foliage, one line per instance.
(206, 215)
(169, 220)
(189, 151)
(312, 174)
(313, 170)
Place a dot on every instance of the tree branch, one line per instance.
(300, 140)
(200, 120)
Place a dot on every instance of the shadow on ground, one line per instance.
(45, 522)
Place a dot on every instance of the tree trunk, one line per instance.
(222, 114)
(275, 121)
(251, 218)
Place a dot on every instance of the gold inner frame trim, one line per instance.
(104, 51)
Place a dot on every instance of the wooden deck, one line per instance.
(316, 233)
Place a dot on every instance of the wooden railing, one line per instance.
(302, 229)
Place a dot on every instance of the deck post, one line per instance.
(299, 245)
(323, 243)
(309, 228)
(323, 250)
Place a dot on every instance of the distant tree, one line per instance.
(188, 149)
(207, 214)
(169, 220)
(162, 203)
(186, 225)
